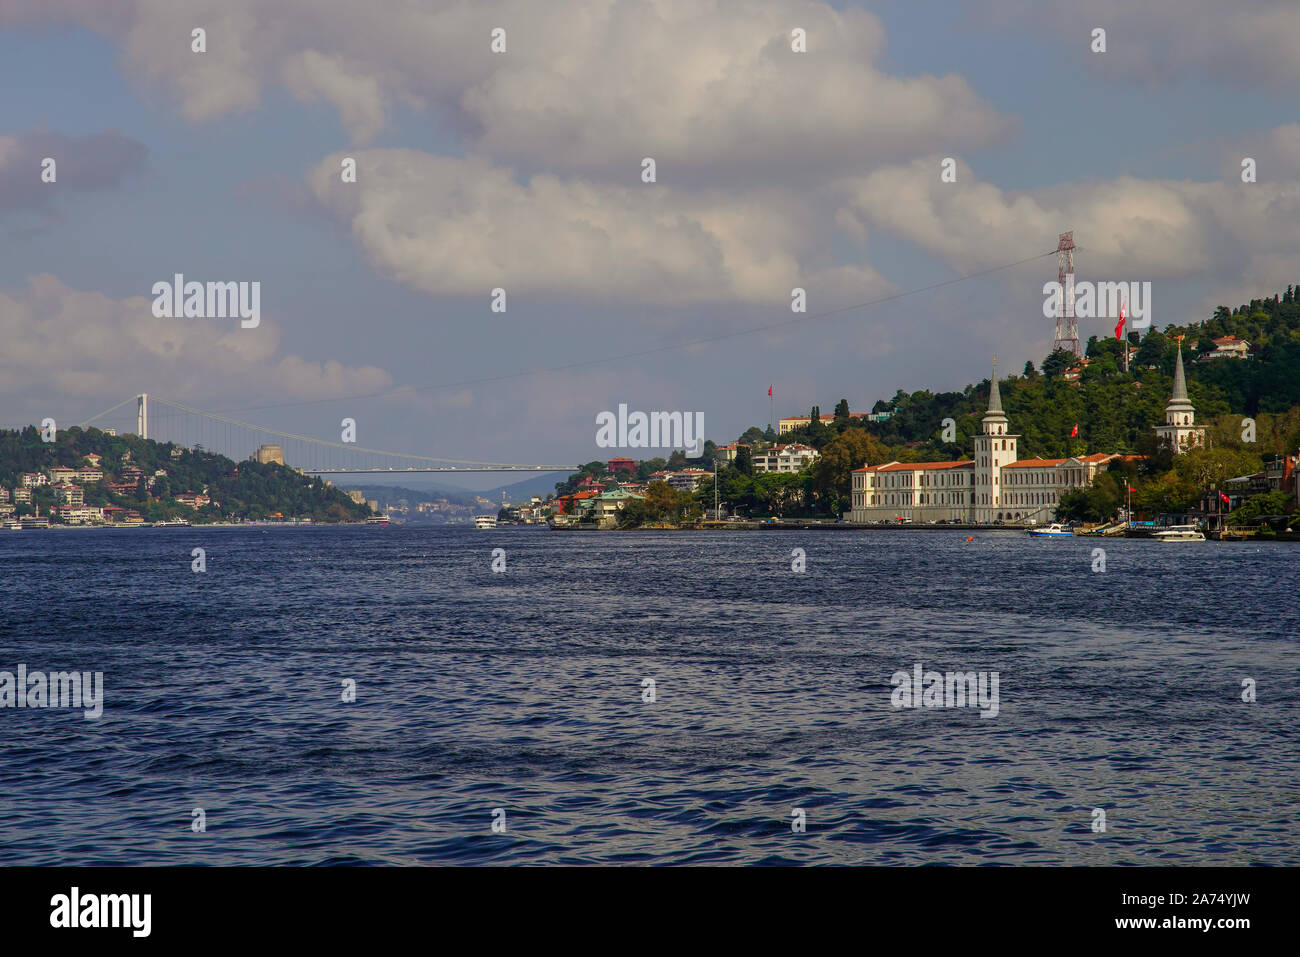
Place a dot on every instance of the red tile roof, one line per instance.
(909, 466)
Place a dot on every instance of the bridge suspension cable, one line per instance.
(209, 433)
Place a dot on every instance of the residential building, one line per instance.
(1229, 347)
(23, 495)
(69, 494)
(729, 451)
(621, 465)
(192, 499)
(80, 514)
(33, 479)
(606, 506)
(792, 422)
(688, 480)
(88, 473)
(785, 458)
(59, 474)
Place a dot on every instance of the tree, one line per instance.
(1268, 503)
(1152, 350)
(634, 514)
(832, 472)
(1057, 362)
(744, 461)
(1030, 372)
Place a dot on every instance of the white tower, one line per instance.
(142, 415)
(994, 448)
(1180, 429)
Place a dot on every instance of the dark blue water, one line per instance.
(1119, 691)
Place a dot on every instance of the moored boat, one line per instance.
(485, 521)
(1179, 533)
(1055, 530)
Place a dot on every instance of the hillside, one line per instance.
(143, 476)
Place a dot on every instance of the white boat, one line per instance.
(172, 522)
(1055, 530)
(485, 521)
(378, 520)
(1179, 533)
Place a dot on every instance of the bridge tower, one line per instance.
(142, 415)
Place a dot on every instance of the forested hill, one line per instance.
(1116, 411)
(238, 490)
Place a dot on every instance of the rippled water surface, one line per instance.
(523, 691)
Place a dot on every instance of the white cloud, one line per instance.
(463, 227)
(108, 348)
(1127, 228)
(589, 87)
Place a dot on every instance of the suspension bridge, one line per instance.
(165, 420)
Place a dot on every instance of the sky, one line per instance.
(523, 170)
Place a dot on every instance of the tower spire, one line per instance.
(995, 395)
(1180, 378)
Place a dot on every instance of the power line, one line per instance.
(815, 317)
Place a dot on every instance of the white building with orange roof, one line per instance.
(785, 458)
(993, 486)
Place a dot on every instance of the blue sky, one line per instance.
(773, 172)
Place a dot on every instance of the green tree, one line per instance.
(832, 471)
(744, 461)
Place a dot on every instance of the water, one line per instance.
(523, 690)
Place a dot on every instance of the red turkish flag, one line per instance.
(769, 392)
(1119, 328)
(1075, 433)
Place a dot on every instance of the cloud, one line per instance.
(1246, 42)
(107, 348)
(583, 87)
(464, 227)
(96, 161)
(1152, 228)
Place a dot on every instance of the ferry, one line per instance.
(1179, 533)
(485, 521)
(172, 523)
(380, 520)
(1055, 530)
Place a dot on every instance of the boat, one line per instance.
(380, 520)
(485, 521)
(1179, 533)
(1055, 530)
(172, 523)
